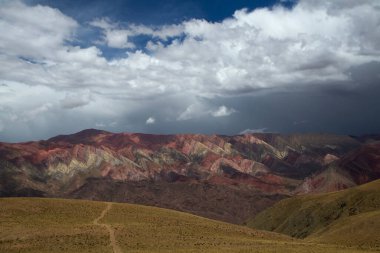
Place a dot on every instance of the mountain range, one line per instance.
(229, 178)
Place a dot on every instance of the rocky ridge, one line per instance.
(224, 177)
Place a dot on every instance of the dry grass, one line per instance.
(359, 230)
(350, 217)
(46, 225)
(51, 225)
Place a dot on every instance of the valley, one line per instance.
(228, 178)
(96, 191)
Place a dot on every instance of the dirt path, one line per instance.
(113, 242)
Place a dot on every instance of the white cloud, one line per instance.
(105, 125)
(35, 112)
(150, 121)
(198, 110)
(252, 131)
(33, 31)
(192, 111)
(100, 124)
(116, 36)
(23, 103)
(265, 48)
(73, 100)
(223, 111)
(113, 36)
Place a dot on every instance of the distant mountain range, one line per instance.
(229, 178)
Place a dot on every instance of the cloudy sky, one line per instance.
(194, 66)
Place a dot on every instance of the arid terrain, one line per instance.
(229, 178)
(53, 225)
(190, 126)
(308, 191)
(348, 217)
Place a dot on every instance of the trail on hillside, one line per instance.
(113, 242)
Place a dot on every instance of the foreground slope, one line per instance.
(359, 230)
(52, 225)
(350, 217)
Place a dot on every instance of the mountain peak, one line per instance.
(81, 136)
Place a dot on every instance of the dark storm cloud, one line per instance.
(347, 107)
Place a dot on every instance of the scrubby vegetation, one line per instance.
(49, 225)
(350, 217)
(53, 225)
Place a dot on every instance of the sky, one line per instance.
(191, 66)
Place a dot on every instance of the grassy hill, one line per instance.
(349, 217)
(54, 225)
(360, 230)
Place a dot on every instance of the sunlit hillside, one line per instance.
(52, 225)
(350, 217)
